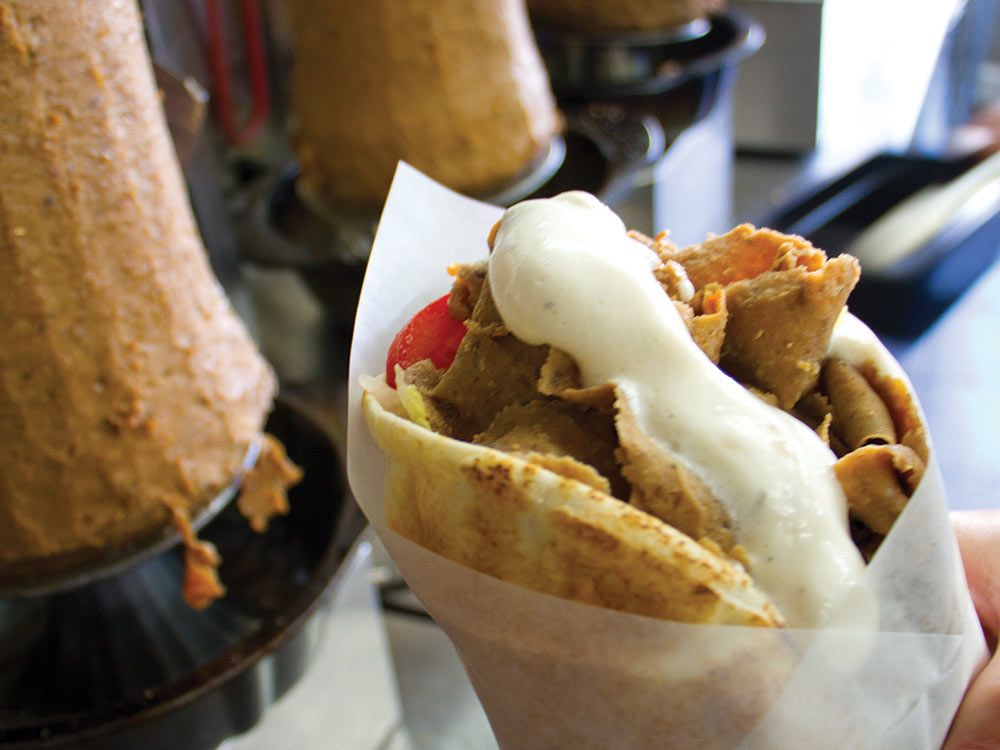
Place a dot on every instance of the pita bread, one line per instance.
(521, 523)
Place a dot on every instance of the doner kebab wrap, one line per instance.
(652, 491)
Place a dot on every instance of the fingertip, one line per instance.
(977, 724)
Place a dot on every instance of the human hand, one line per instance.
(977, 724)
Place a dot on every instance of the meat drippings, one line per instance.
(264, 492)
(201, 584)
(263, 495)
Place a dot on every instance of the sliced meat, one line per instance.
(780, 324)
(665, 487)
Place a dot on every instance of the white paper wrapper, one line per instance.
(554, 674)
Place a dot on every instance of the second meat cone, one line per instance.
(457, 89)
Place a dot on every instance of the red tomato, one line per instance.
(431, 334)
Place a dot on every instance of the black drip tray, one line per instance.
(905, 299)
(125, 663)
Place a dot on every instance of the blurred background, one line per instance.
(868, 126)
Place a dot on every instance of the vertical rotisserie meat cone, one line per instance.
(457, 89)
(129, 389)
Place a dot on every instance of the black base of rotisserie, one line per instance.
(125, 663)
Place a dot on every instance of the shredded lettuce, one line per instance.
(411, 399)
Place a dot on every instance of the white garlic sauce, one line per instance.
(563, 272)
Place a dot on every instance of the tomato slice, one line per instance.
(431, 334)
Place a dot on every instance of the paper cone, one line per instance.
(554, 674)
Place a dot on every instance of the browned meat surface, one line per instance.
(763, 309)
